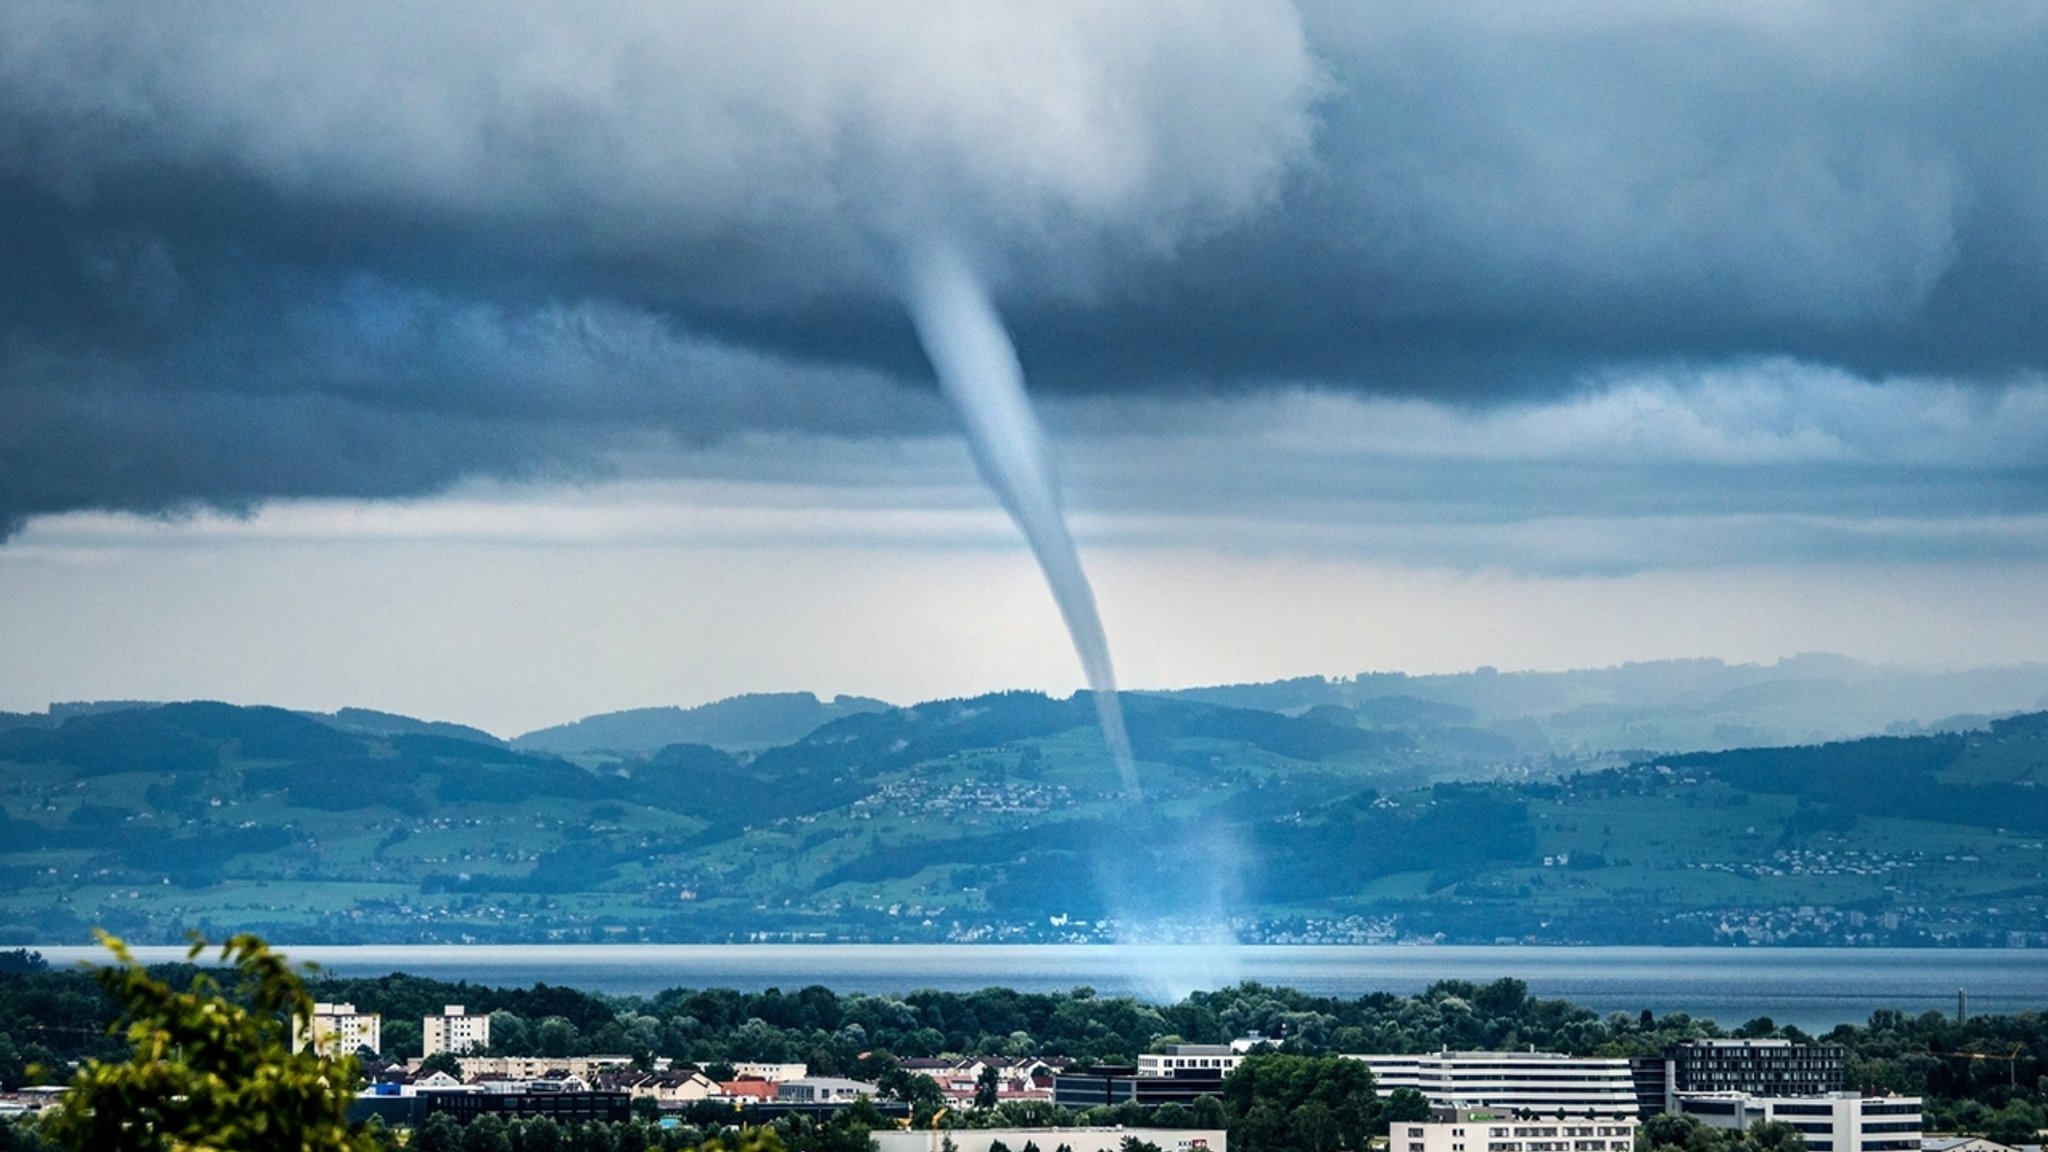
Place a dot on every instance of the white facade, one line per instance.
(340, 1030)
(1047, 1139)
(754, 1070)
(824, 1090)
(1497, 1130)
(540, 1067)
(1837, 1122)
(1544, 1083)
(455, 1030)
(1220, 1058)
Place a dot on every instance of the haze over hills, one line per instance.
(1655, 706)
(1665, 705)
(1396, 815)
(1651, 706)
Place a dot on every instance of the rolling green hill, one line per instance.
(999, 818)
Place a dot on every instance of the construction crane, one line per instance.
(2010, 1059)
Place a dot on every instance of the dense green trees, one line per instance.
(1674, 1133)
(209, 1070)
(1314, 1104)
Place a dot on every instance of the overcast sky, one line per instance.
(509, 363)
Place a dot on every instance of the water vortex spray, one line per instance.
(978, 371)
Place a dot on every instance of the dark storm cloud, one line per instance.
(367, 251)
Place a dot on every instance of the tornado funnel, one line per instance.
(978, 372)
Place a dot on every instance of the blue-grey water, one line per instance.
(1814, 988)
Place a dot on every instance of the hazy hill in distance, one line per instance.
(1660, 706)
(363, 721)
(737, 724)
(370, 722)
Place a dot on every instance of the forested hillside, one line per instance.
(999, 818)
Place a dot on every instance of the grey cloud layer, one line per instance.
(368, 250)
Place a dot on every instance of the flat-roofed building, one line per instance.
(1756, 1067)
(1835, 1122)
(1499, 1130)
(1077, 1139)
(824, 1090)
(1202, 1059)
(1542, 1083)
(540, 1067)
(339, 1030)
(1087, 1087)
(757, 1070)
(455, 1031)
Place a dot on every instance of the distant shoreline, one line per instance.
(1813, 988)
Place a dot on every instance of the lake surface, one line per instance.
(1814, 988)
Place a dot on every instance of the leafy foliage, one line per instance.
(206, 1071)
(1280, 1103)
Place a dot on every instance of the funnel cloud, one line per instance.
(979, 373)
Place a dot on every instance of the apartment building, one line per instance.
(455, 1031)
(339, 1030)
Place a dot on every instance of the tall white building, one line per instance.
(339, 1030)
(1498, 1130)
(1836, 1122)
(456, 1031)
(1541, 1083)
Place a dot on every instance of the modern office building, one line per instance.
(563, 1107)
(339, 1030)
(1835, 1122)
(1758, 1067)
(1121, 1084)
(824, 1090)
(1498, 1130)
(1077, 1139)
(1221, 1059)
(1754, 1067)
(455, 1031)
(1538, 1083)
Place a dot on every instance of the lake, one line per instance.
(1814, 988)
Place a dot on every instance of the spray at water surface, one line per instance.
(979, 373)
